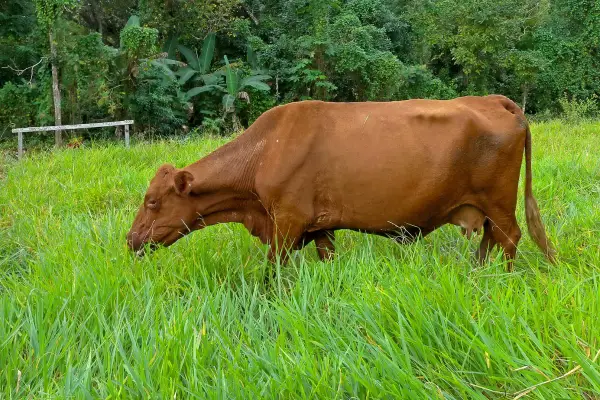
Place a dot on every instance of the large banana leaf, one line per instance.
(210, 79)
(163, 67)
(258, 85)
(206, 56)
(190, 56)
(201, 89)
(231, 78)
(186, 74)
(251, 57)
(256, 81)
(170, 46)
(228, 101)
(168, 61)
(134, 20)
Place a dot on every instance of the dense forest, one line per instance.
(182, 66)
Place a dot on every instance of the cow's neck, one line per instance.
(224, 181)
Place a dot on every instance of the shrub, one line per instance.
(576, 110)
(24, 105)
(156, 104)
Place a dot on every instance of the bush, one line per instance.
(24, 105)
(260, 101)
(156, 103)
(577, 110)
(212, 126)
(418, 82)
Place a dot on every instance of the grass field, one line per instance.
(81, 317)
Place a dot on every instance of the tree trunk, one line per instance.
(237, 126)
(55, 90)
(525, 89)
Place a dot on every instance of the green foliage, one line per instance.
(483, 39)
(308, 82)
(18, 36)
(107, 17)
(570, 40)
(189, 19)
(237, 82)
(137, 41)
(262, 101)
(198, 66)
(575, 110)
(235, 87)
(23, 105)
(155, 104)
(48, 11)
(535, 52)
(419, 82)
(88, 82)
(213, 126)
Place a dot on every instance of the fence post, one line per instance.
(20, 145)
(127, 136)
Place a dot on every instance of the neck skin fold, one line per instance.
(224, 183)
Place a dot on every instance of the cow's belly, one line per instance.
(384, 188)
(377, 213)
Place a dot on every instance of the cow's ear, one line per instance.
(183, 182)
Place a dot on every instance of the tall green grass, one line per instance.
(80, 317)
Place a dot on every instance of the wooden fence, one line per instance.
(20, 131)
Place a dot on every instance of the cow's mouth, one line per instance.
(146, 249)
(143, 246)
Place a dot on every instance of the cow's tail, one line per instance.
(532, 211)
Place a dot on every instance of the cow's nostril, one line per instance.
(134, 241)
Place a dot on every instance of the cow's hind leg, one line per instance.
(323, 241)
(409, 234)
(506, 233)
(325, 244)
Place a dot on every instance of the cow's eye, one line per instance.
(152, 204)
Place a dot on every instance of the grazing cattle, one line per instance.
(399, 169)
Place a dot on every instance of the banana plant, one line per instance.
(195, 69)
(236, 86)
(198, 66)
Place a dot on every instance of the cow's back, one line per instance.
(366, 165)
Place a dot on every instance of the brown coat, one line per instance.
(306, 169)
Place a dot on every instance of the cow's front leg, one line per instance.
(286, 234)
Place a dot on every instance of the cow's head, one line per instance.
(168, 211)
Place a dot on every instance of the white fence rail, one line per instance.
(20, 131)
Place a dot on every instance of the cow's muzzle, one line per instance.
(136, 243)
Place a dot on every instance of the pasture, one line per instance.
(81, 317)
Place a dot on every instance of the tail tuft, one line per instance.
(536, 230)
(535, 226)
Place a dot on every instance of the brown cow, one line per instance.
(306, 169)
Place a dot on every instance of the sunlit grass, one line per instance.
(81, 317)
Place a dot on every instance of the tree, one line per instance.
(569, 39)
(479, 42)
(107, 17)
(48, 11)
(190, 20)
(17, 40)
